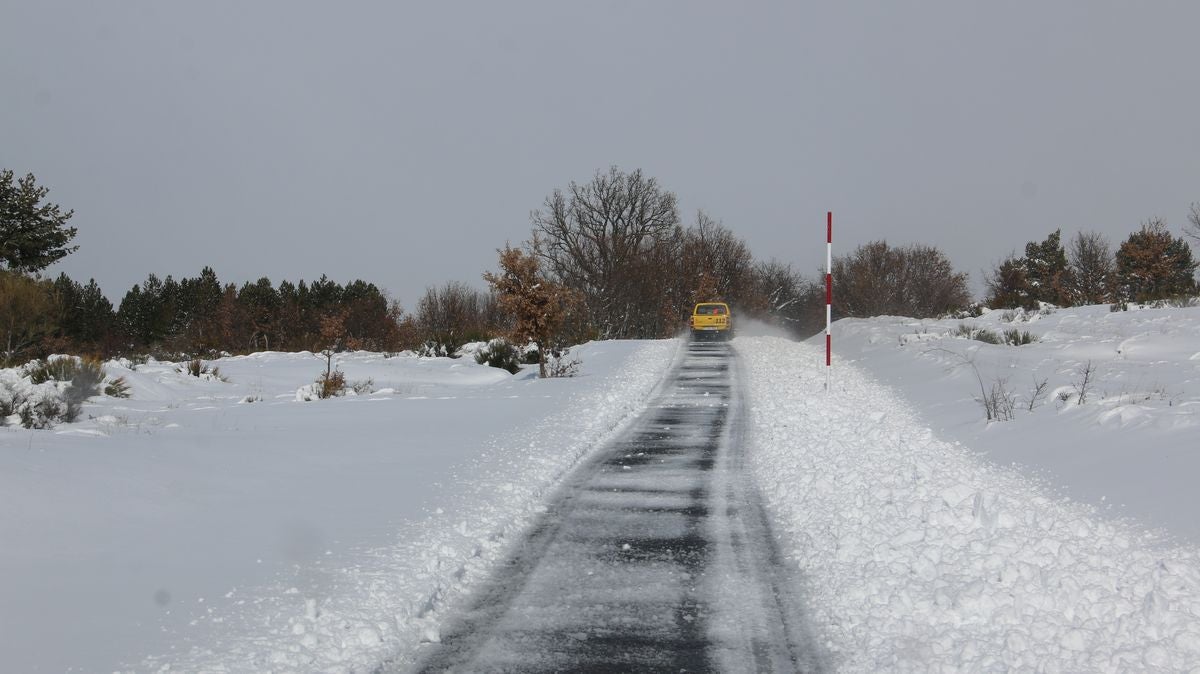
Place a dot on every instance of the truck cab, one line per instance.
(711, 320)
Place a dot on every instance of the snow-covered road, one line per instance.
(655, 555)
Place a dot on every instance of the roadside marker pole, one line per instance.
(828, 297)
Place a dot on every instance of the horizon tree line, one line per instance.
(610, 258)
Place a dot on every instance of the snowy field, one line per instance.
(185, 527)
(188, 529)
(1131, 449)
(921, 553)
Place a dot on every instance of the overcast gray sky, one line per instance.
(403, 143)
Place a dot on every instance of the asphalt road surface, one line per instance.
(654, 556)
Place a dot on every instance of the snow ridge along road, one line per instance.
(655, 555)
(921, 556)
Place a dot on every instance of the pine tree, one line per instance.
(260, 302)
(1153, 265)
(1008, 287)
(291, 326)
(198, 301)
(85, 316)
(1047, 271)
(33, 235)
(366, 310)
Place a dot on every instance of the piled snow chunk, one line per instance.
(918, 554)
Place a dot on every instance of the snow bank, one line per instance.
(222, 525)
(381, 607)
(1129, 450)
(920, 556)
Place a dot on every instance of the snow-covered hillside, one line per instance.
(197, 530)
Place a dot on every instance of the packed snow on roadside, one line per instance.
(920, 554)
(209, 525)
(1131, 448)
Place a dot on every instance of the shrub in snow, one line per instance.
(499, 353)
(1039, 392)
(1018, 338)
(974, 310)
(330, 384)
(559, 367)
(41, 412)
(999, 404)
(42, 393)
(32, 405)
(432, 349)
(86, 382)
(1174, 302)
(977, 334)
(54, 368)
(198, 368)
(531, 354)
(470, 348)
(1087, 379)
(117, 388)
(81, 377)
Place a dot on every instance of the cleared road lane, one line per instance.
(654, 556)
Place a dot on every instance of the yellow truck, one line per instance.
(711, 320)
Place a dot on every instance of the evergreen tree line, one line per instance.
(1150, 265)
(194, 316)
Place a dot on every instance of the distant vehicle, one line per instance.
(711, 320)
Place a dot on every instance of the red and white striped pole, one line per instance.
(828, 297)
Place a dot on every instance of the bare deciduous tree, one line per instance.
(1038, 393)
(454, 314)
(1091, 260)
(595, 237)
(26, 314)
(916, 280)
(1087, 378)
(722, 262)
(789, 299)
(1192, 229)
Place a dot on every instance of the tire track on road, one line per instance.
(656, 555)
